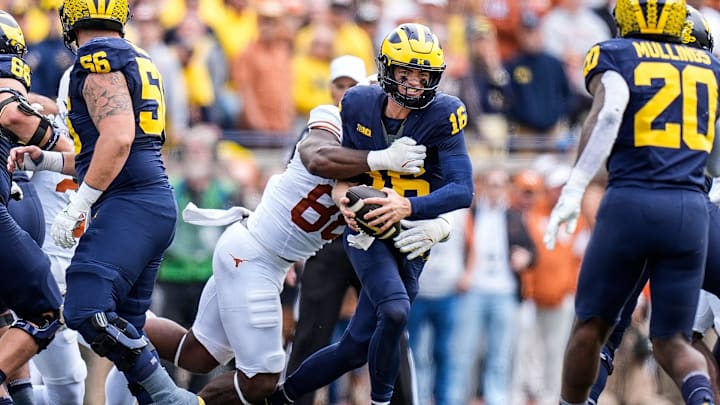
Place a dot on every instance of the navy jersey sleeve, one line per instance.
(456, 190)
(598, 60)
(13, 67)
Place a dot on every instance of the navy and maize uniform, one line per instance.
(655, 211)
(389, 280)
(28, 286)
(133, 222)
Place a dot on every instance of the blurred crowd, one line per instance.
(241, 77)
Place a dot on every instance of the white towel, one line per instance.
(214, 217)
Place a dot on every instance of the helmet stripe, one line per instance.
(110, 7)
(91, 7)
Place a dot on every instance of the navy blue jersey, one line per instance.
(439, 127)
(669, 123)
(11, 67)
(144, 166)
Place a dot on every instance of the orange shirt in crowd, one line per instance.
(555, 273)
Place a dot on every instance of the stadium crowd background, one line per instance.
(240, 78)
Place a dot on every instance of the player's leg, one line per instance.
(116, 260)
(607, 353)
(248, 296)
(330, 362)
(676, 276)
(610, 271)
(178, 345)
(20, 387)
(390, 282)
(30, 291)
(63, 370)
(28, 212)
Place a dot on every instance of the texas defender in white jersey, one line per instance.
(297, 215)
(240, 312)
(62, 369)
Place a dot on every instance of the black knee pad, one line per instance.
(112, 341)
(45, 332)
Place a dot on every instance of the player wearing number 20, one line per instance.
(654, 113)
(116, 114)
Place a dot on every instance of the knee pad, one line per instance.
(113, 337)
(42, 334)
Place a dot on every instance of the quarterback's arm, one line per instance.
(110, 108)
(456, 193)
(610, 98)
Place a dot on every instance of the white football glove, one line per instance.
(404, 156)
(73, 215)
(16, 192)
(419, 236)
(567, 209)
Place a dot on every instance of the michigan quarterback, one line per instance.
(406, 103)
(653, 116)
(116, 113)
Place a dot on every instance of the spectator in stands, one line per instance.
(552, 280)
(49, 58)
(569, 30)
(150, 34)
(311, 74)
(484, 92)
(204, 67)
(539, 95)
(350, 39)
(435, 316)
(500, 249)
(263, 74)
(505, 17)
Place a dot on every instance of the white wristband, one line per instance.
(52, 161)
(86, 196)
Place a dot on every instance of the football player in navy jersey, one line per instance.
(696, 33)
(28, 287)
(406, 103)
(116, 113)
(654, 115)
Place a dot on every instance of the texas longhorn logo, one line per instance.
(236, 260)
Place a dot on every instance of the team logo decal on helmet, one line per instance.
(12, 40)
(411, 46)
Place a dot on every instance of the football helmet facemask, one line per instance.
(12, 40)
(696, 31)
(661, 19)
(93, 14)
(411, 46)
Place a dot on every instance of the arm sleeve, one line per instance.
(605, 131)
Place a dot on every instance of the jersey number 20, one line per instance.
(678, 83)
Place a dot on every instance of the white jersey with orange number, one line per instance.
(296, 215)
